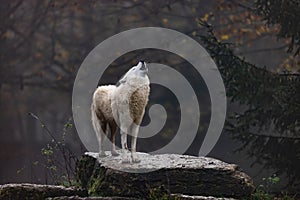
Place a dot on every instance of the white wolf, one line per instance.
(123, 105)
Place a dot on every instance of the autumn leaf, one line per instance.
(224, 37)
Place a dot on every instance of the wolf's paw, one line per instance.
(125, 157)
(102, 154)
(134, 158)
(114, 153)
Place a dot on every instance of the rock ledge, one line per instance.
(170, 173)
(35, 191)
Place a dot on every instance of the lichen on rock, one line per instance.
(171, 173)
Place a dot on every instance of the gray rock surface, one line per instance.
(36, 191)
(166, 174)
(188, 197)
(90, 198)
(172, 197)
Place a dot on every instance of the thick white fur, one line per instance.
(128, 103)
(123, 105)
(102, 117)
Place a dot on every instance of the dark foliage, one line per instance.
(271, 101)
(286, 13)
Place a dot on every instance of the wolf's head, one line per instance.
(139, 71)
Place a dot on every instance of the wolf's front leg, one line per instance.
(125, 157)
(135, 130)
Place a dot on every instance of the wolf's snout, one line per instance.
(143, 67)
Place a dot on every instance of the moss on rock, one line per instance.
(183, 174)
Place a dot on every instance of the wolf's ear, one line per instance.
(121, 81)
